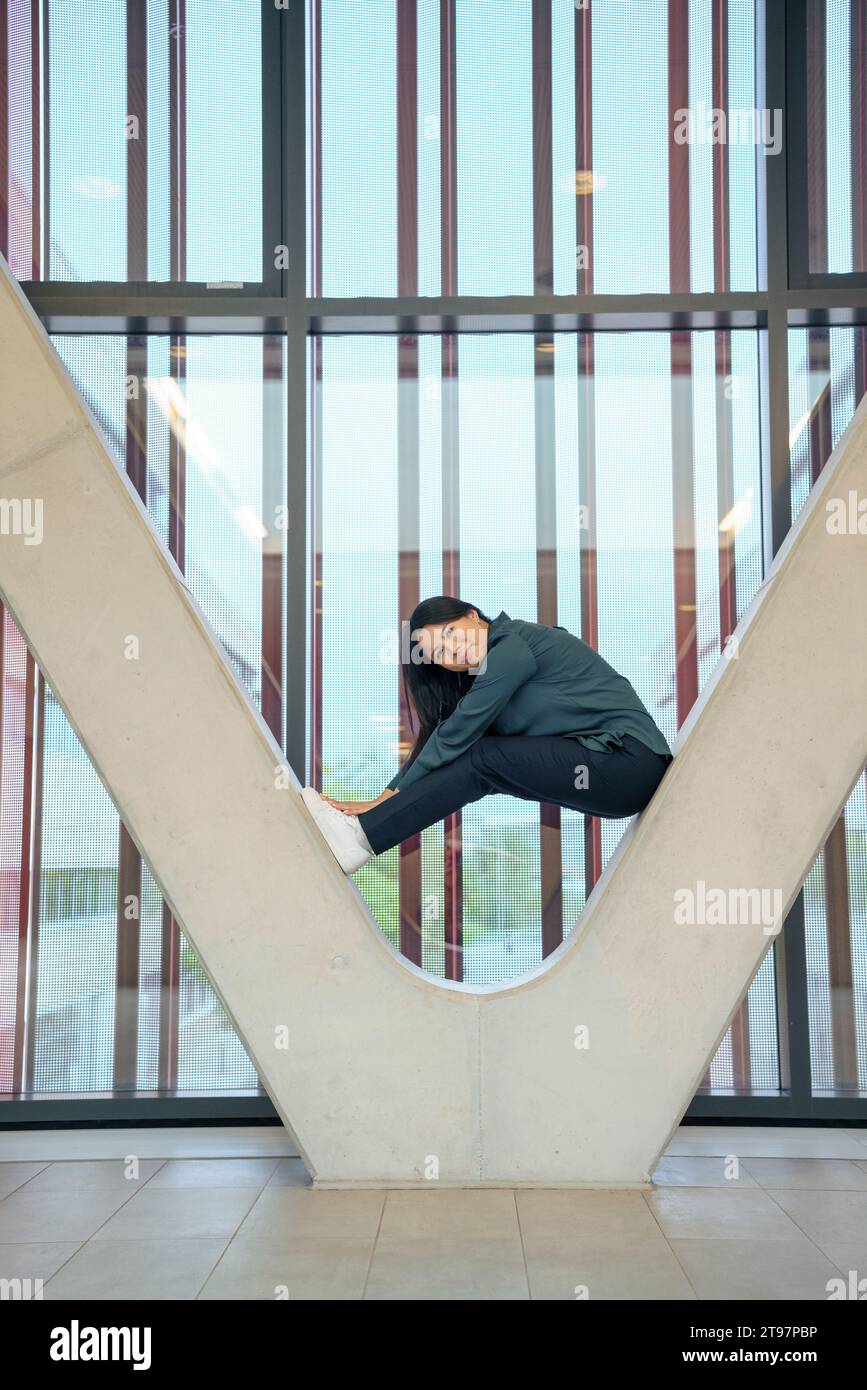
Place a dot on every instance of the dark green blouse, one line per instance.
(539, 680)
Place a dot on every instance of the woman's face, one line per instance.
(456, 645)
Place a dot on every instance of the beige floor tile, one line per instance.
(28, 1217)
(215, 1172)
(290, 1172)
(850, 1257)
(615, 1268)
(289, 1212)
(445, 1270)
(136, 1269)
(94, 1175)
(182, 1141)
(297, 1269)
(755, 1269)
(39, 1260)
(763, 1141)
(703, 1170)
(826, 1217)
(709, 1213)
(13, 1175)
(189, 1213)
(449, 1214)
(548, 1213)
(839, 1174)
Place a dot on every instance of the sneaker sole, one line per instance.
(313, 801)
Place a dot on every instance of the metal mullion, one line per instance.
(588, 560)
(584, 147)
(550, 834)
(543, 235)
(316, 569)
(274, 540)
(127, 964)
(146, 1108)
(660, 302)
(678, 153)
(26, 926)
(170, 938)
(274, 160)
(550, 818)
(38, 120)
(217, 314)
(409, 542)
(5, 69)
(841, 986)
(541, 312)
(793, 81)
(728, 604)
(448, 151)
(785, 258)
(30, 898)
(728, 608)
(584, 385)
(410, 850)
(683, 502)
(177, 140)
(313, 220)
(835, 877)
(815, 152)
(858, 130)
(137, 147)
(301, 625)
(453, 962)
(407, 149)
(129, 861)
(720, 101)
(683, 462)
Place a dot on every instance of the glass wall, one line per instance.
(440, 104)
(833, 52)
(114, 997)
(828, 378)
(134, 141)
(455, 173)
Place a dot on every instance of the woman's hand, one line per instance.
(355, 808)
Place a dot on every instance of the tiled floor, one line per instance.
(741, 1213)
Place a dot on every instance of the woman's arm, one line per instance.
(355, 808)
(508, 664)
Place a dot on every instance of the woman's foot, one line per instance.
(343, 834)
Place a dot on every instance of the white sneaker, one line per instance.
(342, 833)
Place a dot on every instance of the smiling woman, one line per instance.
(509, 706)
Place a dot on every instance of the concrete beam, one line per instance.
(384, 1074)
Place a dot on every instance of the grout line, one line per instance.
(674, 1253)
(373, 1245)
(89, 1238)
(523, 1247)
(797, 1223)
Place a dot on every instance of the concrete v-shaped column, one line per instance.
(390, 1076)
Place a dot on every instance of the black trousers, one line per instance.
(615, 783)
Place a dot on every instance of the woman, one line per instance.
(502, 706)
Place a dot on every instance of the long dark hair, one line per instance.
(432, 691)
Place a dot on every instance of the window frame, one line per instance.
(280, 304)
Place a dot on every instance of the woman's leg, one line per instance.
(615, 783)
